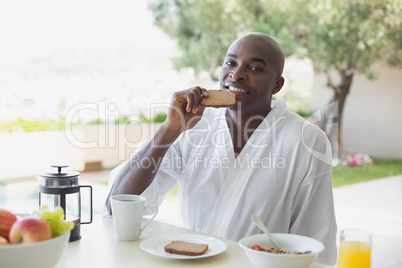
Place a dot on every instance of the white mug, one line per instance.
(128, 211)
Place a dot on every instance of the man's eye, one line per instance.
(258, 69)
(229, 63)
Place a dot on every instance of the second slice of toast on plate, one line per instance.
(186, 248)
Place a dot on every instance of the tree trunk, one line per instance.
(341, 98)
(340, 93)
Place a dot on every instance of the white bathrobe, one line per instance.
(283, 174)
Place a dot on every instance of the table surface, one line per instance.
(99, 247)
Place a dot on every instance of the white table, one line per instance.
(99, 247)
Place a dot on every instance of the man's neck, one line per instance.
(242, 126)
(244, 120)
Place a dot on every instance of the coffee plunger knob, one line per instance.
(59, 167)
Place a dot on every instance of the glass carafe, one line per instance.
(62, 189)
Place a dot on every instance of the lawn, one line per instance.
(343, 175)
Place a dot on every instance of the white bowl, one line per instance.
(289, 242)
(44, 254)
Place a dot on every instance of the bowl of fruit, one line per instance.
(37, 240)
(297, 251)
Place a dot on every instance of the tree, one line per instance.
(202, 30)
(340, 37)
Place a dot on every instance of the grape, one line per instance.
(53, 227)
(55, 219)
(58, 214)
(46, 215)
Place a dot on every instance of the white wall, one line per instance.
(373, 112)
(31, 153)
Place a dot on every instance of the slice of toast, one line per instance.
(219, 98)
(186, 248)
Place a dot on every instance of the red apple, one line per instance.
(3, 241)
(7, 220)
(29, 230)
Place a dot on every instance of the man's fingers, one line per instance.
(194, 99)
(204, 92)
(197, 91)
(191, 98)
(201, 109)
(190, 102)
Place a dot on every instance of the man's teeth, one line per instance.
(235, 89)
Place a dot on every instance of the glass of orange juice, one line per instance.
(354, 249)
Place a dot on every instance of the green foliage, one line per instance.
(24, 125)
(143, 119)
(349, 35)
(96, 121)
(122, 120)
(158, 118)
(297, 103)
(303, 112)
(203, 29)
(30, 125)
(341, 35)
(344, 175)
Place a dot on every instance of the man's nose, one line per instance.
(238, 74)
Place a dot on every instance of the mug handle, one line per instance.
(153, 216)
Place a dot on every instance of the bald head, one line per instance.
(272, 49)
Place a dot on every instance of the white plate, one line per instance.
(156, 245)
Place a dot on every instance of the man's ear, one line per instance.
(278, 85)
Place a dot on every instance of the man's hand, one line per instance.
(185, 110)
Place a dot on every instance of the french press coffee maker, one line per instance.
(62, 189)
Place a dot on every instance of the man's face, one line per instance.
(249, 72)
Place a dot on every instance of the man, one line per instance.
(254, 158)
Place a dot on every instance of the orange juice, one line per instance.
(354, 255)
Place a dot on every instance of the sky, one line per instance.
(93, 50)
(33, 27)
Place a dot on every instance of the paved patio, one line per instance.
(375, 206)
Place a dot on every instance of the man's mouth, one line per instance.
(237, 90)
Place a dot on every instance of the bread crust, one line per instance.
(219, 99)
(186, 248)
